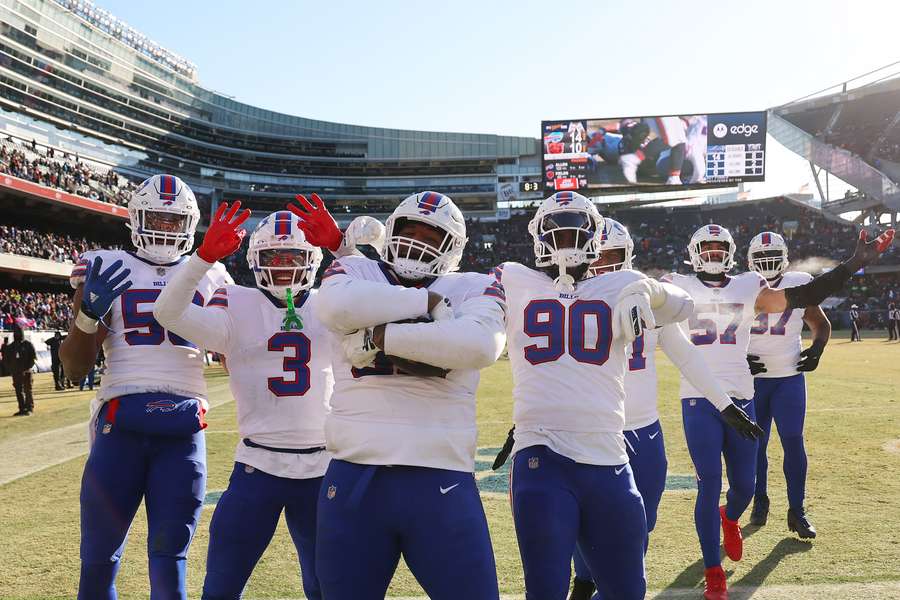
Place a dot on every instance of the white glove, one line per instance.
(360, 348)
(361, 231)
(632, 314)
(630, 164)
(655, 290)
(442, 311)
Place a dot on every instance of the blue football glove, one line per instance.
(101, 289)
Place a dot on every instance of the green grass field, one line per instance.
(853, 442)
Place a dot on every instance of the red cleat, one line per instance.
(734, 541)
(716, 589)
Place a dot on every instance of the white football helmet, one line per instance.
(768, 255)
(566, 212)
(615, 236)
(163, 217)
(413, 259)
(711, 233)
(277, 233)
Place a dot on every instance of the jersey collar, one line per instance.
(180, 260)
(298, 301)
(394, 280)
(716, 285)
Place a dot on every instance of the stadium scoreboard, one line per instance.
(653, 153)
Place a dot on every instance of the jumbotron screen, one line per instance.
(654, 153)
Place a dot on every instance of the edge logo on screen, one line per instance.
(721, 130)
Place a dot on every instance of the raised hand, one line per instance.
(223, 237)
(101, 289)
(868, 252)
(317, 223)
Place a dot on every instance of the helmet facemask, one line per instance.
(417, 249)
(769, 263)
(620, 261)
(705, 257)
(568, 239)
(278, 269)
(163, 235)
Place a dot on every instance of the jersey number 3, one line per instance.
(564, 330)
(296, 365)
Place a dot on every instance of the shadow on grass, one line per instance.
(693, 576)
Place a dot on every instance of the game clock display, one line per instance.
(653, 153)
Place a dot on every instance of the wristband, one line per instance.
(86, 324)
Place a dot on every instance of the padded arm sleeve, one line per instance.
(347, 303)
(209, 327)
(685, 356)
(670, 303)
(473, 340)
(814, 292)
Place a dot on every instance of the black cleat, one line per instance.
(582, 589)
(798, 522)
(760, 513)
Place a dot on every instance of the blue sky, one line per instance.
(502, 66)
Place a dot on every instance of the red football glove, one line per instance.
(317, 223)
(223, 237)
(868, 252)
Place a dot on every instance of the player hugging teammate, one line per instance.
(356, 402)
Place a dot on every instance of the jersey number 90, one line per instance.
(564, 330)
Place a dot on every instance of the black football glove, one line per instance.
(756, 366)
(809, 358)
(503, 455)
(741, 422)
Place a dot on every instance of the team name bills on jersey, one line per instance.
(775, 337)
(382, 416)
(720, 328)
(141, 356)
(281, 379)
(568, 370)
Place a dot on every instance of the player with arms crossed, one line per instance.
(147, 419)
(402, 478)
(777, 361)
(568, 334)
(726, 308)
(643, 431)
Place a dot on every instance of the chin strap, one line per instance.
(291, 318)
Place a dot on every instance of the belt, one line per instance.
(252, 444)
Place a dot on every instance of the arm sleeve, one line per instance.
(673, 306)
(473, 340)
(685, 356)
(209, 327)
(347, 303)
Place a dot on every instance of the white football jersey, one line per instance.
(775, 337)
(281, 380)
(141, 356)
(641, 381)
(568, 369)
(382, 416)
(720, 328)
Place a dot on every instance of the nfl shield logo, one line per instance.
(534, 462)
(160, 271)
(692, 402)
(332, 492)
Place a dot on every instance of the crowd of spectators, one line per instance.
(63, 171)
(34, 310)
(50, 246)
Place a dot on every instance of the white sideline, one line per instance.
(46, 449)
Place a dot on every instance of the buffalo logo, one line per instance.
(163, 406)
(429, 202)
(168, 202)
(534, 462)
(332, 492)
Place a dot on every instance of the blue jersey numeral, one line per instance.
(779, 328)
(637, 361)
(547, 319)
(145, 330)
(296, 365)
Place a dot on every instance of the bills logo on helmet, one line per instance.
(429, 202)
(168, 190)
(564, 198)
(283, 225)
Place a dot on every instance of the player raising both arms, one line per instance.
(147, 419)
(643, 431)
(402, 478)
(568, 333)
(725, 310)
(777, 361)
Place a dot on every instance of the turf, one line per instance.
(852, 432)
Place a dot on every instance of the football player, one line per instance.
(777, 361)
(279, 356)
(147, 419)
(402, 424)
(568, 333)
(725, 310)
(643, 431)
